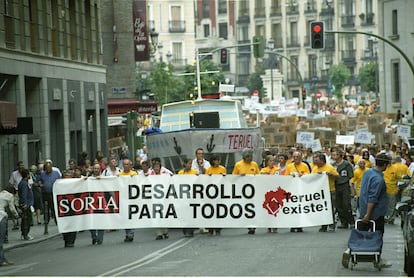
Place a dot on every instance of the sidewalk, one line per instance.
(36, 231)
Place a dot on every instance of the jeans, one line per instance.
(97, 235)
(343, 204)
(3, 229)
(129, 232)
(27, 221)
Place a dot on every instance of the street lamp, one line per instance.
(169, 57)
(154, 40)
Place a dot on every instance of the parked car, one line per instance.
(406, 209)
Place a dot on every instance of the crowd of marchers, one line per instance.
(28, 198)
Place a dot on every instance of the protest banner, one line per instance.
(180, 201)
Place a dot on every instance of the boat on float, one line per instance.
(216, 125)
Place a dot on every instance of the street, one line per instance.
(234, 253)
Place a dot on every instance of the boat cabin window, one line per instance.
(205, 120)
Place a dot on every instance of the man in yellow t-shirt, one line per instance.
(297, 168)
(321, 167)
(246, 166)
(391, 179)
(357, 178)
(128, 171)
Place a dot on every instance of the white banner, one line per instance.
(303, 137)
(181, 201)
(404, 130)
(185, 142)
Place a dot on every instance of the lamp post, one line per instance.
(154, 43)
(271, 64)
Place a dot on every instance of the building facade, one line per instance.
(396, 75)
(52, 72)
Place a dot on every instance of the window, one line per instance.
(294, 33)
(8, 25)
(243, 7)
(368, 6)
(177, 53)
(206, 29)
(395, 81)
(243, 65)
(33, 25)
(72, 29)
(276, 34)
(222, 6)
(88, 36)
(223, 30)
(394, 18)
(312, 66)
(176, 23)
(54, 31)
(206, 9)
(293, 70)
(243, 33)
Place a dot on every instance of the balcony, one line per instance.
(176, 26)
(243, 16)
(179, 63)
(260, 12)
(245, 48)
(278, 42)
(348, 57)
(348, 21)
(275, 11)
(293, 42)
(367, 19)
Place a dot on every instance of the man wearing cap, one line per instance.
(373, 201)
(246, 166)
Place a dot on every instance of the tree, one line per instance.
(368, 77)
(165, 86)
(209, 81)
(255, 82)
(338, 76)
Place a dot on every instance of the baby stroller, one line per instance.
(365, 246)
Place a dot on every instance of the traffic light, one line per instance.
(258, 46)
(317, 30)
(223, 56)
(303, 93)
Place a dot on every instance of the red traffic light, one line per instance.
(317, 28)
(223, 57)
(317, 37)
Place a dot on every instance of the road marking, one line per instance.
(148, 259)
(13, 269)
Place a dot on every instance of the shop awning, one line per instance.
(8, 115)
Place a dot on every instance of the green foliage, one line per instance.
(164, 84)
(209, 81)
(368, 77)
(338, 76)
(255, 82)
(167, 86)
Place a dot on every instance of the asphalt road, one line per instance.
(234, 253)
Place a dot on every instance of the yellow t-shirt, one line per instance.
(368, 163)
(402, 170)
(219, 170)
(130, 173)
(329, 169)
(190, 172)
(302, 169)
(267, 170)
(356, 158)
(357, 179)
(391, 179)
(242, 167)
